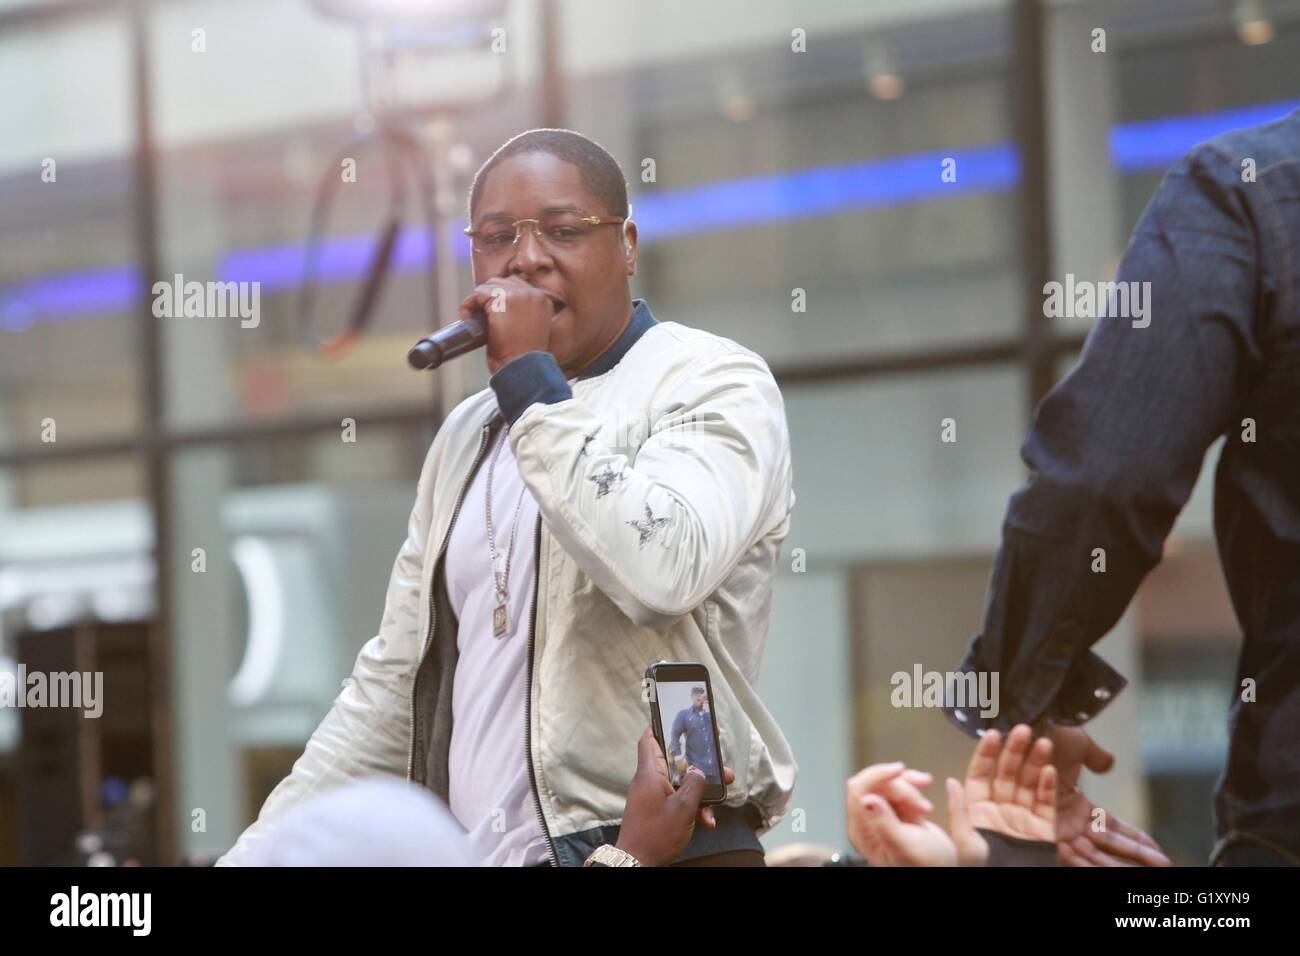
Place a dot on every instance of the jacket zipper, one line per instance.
(433, 590)
(528, 697)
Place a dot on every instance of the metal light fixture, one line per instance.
(884, 82)
(1254, 27)
(737, 103)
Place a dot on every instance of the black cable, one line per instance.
(404, 157)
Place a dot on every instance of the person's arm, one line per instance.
(675, 738)
(658, 819)
(366, 730)
(658, 536)
(1116, 447)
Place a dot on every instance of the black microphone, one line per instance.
(464, 335)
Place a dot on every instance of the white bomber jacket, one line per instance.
(663, 480)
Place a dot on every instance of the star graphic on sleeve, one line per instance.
(605, 479)
(649, 526)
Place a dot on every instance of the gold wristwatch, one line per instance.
(606, 855)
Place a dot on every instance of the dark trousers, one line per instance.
(728, 858)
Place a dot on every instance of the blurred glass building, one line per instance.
(207, 510)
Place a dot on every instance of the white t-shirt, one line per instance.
(488, 768)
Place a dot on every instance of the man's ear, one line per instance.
(629, 246)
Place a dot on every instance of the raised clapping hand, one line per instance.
(887, 818)
(1010, 789)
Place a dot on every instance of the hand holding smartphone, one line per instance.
(682, 716)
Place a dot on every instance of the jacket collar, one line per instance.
(642, 320)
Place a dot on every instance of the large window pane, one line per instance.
(69, 291)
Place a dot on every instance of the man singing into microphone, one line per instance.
(619, 495)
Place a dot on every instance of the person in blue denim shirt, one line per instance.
(696, 724)
(1114, 453)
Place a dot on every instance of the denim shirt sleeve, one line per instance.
(1116, 447)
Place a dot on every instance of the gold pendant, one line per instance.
(499, 620)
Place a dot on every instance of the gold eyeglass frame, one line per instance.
(537, 229)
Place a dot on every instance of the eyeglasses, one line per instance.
(559, 231)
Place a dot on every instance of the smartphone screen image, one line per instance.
(682, 714)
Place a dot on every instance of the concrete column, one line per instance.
(196, 365)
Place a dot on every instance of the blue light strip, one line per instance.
(339, 259)
(663, 214)
(823, 191)
(1154, 144)
(68, 295)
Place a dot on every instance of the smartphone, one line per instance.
(682, 715)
